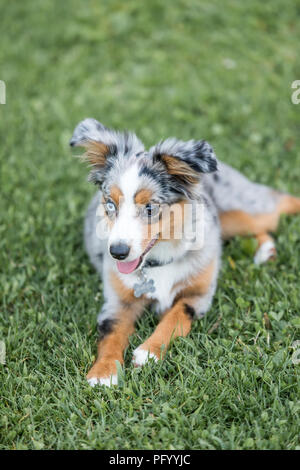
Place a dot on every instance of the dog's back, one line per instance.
(231, 190)
(248, 208)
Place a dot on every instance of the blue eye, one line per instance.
(110, 207)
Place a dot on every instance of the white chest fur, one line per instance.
(165, 279)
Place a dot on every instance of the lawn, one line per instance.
(193, 69)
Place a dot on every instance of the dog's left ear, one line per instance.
(185, 160)
(103, 145)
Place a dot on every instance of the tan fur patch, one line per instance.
(289, 205)
(173, 324)
(125, 295)
(182, 170)
(240, 223)
(143, 196)
(244, 224)
(176, 322)
(96, 153)
(197, 285)
(111, 347)
(116, 194)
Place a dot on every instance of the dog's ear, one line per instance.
(185, 161)
(87, 130)
(103, 145)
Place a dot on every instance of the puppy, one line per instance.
(153, 231)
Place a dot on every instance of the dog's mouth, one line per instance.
(127, 267)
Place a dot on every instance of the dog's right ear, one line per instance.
(89, 134)
(103, 145)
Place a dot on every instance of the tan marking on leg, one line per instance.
(174, 323)
(112, 346)
(289, 205)
(240, 223)
(244, 224)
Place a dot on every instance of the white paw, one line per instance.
(141, 356)
(108, 381)
(265, 252)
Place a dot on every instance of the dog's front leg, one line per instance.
(176, 322)
(114, 338)
(191, 302)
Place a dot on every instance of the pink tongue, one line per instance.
(126, 268)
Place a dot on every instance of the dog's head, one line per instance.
(138, 185)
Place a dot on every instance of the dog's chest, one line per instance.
(163, 283)
(159, 283)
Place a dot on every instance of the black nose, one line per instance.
(119, 250)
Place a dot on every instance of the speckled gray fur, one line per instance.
(230, 190)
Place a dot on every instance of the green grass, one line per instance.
(186, 68)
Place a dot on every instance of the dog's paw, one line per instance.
(103, 373)
(107, 381)
(141, 356)
(266, 252)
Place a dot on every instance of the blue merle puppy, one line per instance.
(153, 231)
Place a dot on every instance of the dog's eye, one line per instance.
(110, 207)
(150, 211)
